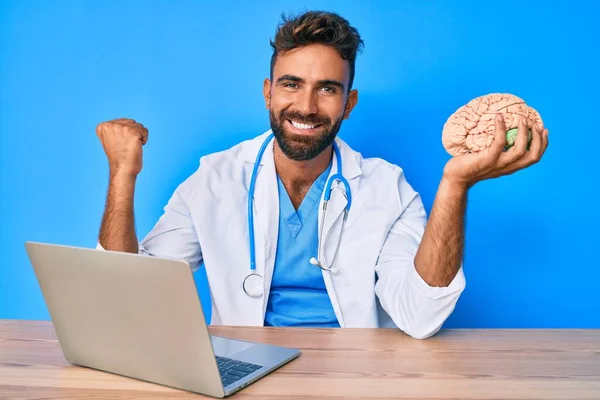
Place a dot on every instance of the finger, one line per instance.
(128, 121)
(499, 142)
(535, 151)
(524, 162)
(100, 132)
(131, 123)
(517, 151)
(545, 141)
(138, 131)
(144, 135)
(513, 167)
(520, 146)
(538, 145)
(529, 158)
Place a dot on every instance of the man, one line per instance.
(281, 259)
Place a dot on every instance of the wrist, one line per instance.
(454, 186)
(122, 175)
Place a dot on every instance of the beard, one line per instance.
(300, 147)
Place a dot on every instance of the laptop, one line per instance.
(141, 317)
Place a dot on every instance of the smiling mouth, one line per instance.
(302, 126)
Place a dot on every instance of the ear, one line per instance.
(350, 103)
(267, 92)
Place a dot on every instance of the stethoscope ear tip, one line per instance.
(313, 261)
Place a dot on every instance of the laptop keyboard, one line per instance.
(234, 370)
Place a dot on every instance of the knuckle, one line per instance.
(132, 131)
(103, 128)
(503, 164)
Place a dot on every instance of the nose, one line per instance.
(307, 103)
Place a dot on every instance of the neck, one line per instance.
(298, 176)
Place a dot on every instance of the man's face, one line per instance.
(308, 99)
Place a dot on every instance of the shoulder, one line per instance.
(222, 167)
(382, 176)
(369, 166)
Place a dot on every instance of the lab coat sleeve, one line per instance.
(174, 235)
(415, 307)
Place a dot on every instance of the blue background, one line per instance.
(192, 72)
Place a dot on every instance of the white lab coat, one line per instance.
(206, 220)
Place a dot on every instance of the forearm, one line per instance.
(440, 253)
(117, 231)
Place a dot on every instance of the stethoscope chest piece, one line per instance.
(253, 285)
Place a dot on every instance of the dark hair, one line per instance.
(317, 27)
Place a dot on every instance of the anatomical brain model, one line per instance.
(471, 128)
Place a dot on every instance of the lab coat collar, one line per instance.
(350, 159)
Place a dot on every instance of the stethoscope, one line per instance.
(253, 284)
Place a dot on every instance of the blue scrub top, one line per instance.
(298, 296)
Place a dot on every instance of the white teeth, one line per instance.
(302, 126)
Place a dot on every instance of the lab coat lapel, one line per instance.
(266, 220)
(333, 219)
(330, 229)
(334, 213)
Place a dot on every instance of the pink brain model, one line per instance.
(471, 128)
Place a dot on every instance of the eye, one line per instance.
(328, 89)
(291, 85)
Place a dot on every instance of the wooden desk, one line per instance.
(339, 363)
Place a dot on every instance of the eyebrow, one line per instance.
(293, 78)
